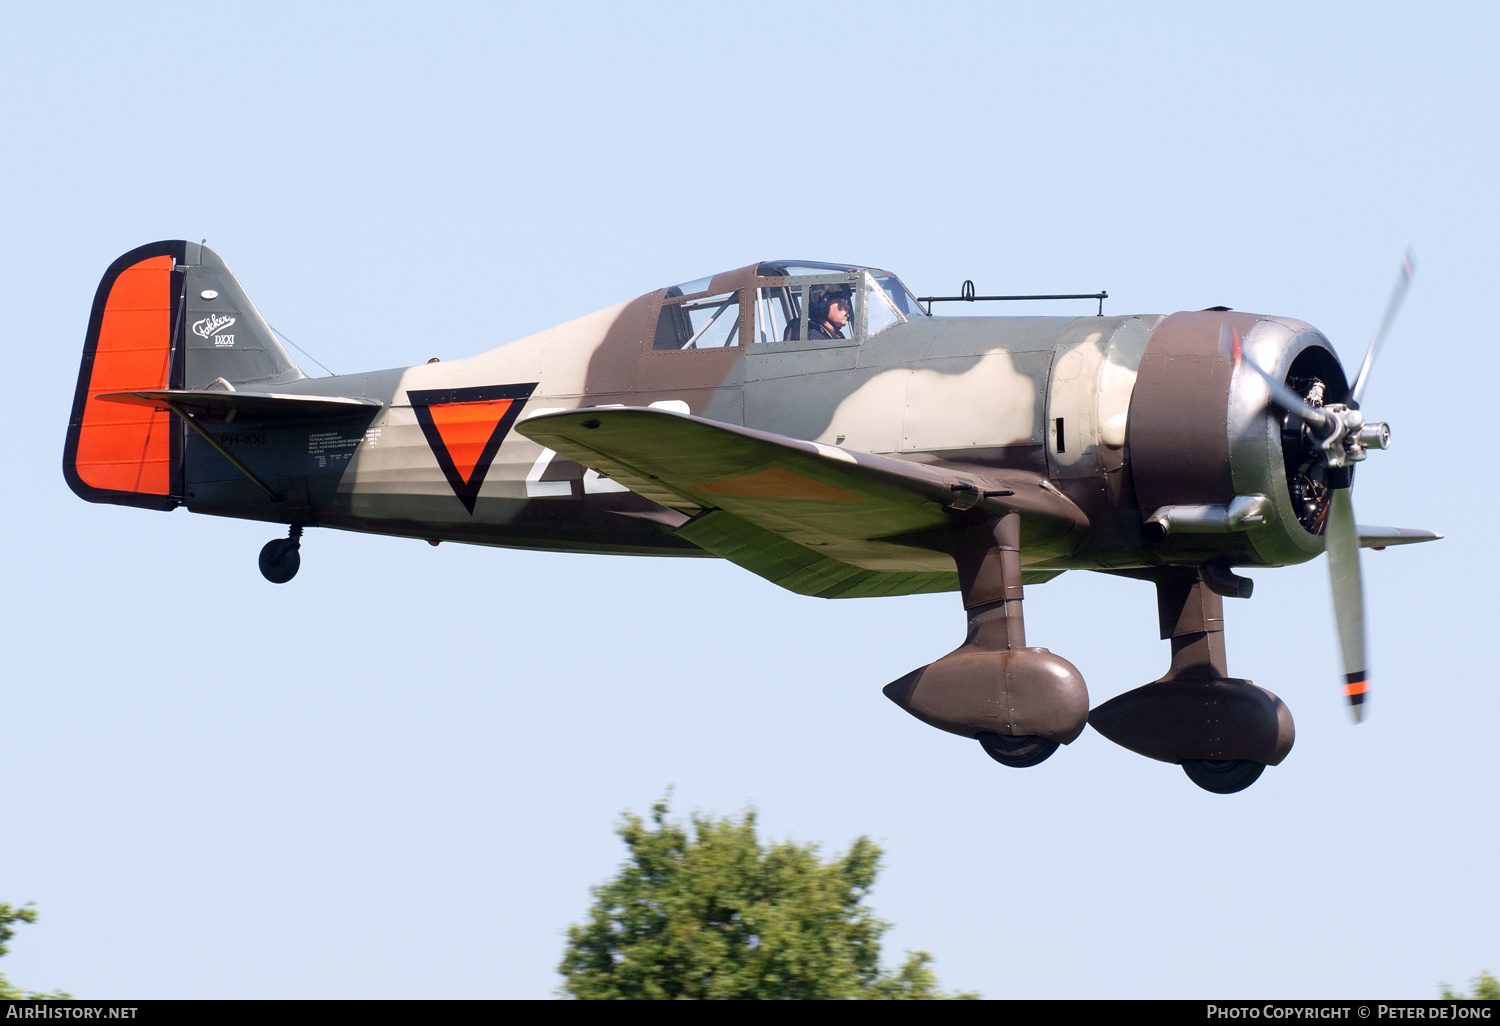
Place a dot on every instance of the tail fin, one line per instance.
(166, 315)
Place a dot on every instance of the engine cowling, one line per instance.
(1221, 474)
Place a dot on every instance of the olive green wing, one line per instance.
(816, 519)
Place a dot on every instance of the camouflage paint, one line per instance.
(977, 392)
(968, 453)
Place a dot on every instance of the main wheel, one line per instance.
(1223, 776)
(280, 560)
(1018, 752)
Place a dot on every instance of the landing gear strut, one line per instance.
(280, 558)
(1019, 703)
(1221, 730)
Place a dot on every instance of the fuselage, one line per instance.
(1168, 452)
(1051, 395)
(814, 425)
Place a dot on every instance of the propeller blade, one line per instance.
(1341, 541)
(1281, 395)
(1408, 268)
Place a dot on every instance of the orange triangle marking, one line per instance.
(466, 428)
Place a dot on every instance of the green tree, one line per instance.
(719, 915)
(8, 917)
(1486, 988)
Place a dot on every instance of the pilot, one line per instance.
(828, 313)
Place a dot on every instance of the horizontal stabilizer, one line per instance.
(832, 501)
(246, 407)
(1380, 537)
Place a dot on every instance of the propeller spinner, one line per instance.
(1342, 438)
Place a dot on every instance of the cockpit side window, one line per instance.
(700, 322)
(799, 308)
(776, 308)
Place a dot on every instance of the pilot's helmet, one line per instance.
(823, 296)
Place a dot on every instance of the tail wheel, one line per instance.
(1223, 776)
(1017, 752)
(280, 560)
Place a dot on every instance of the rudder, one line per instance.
(166, 315)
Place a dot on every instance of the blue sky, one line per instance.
(397, 776)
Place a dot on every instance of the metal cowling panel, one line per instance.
(1179, 412)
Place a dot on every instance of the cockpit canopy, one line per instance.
(784, 301)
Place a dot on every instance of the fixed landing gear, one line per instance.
(1019, 703)
(1222, 731)
(280, 558)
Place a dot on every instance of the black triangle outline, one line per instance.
(422, 401)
